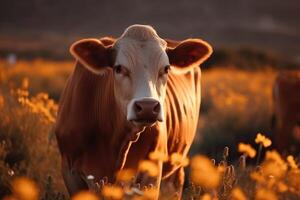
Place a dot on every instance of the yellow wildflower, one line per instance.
(42, 96)
(125, 175)
(238, 194)
(25, 189)
(272, 169)
(149, 167)
(40, 104)
(293, 179)
(274, 156)
(273, 165)
(291, 161)
(265, 194)
(261, 139)
(158, 156)
(247, 149)
(271, 181)
(206, 196)
(179, 159)
(112, 192)
(204, 173)
(85, 195)
(282, 187)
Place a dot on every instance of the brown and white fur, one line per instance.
(128, 97)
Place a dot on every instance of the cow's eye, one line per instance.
(119, 69)
(167, 69)
(164, 71)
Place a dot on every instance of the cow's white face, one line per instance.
(141, 62)
(140, 73)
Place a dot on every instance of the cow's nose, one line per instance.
(147, 110)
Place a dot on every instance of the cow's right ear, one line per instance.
(92, 54)
(187, 54)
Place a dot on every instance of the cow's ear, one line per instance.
(92, 54)
(188, 54)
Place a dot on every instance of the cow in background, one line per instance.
(126, 98)
(287, 112)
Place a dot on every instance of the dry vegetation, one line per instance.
(27, 142)
(236, 105)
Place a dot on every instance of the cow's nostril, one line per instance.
(147, 109)
(138, 108)
(156, 108)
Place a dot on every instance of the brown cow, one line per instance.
(287, 112)
(126, 98)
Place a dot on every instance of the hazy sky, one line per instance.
(272, 25)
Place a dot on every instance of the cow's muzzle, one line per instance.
(146, 111)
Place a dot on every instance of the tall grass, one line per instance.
(27, 142)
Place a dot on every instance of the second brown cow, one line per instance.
(287, 112)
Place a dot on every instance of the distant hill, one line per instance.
(50, 26)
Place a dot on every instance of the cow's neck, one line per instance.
(124, 134)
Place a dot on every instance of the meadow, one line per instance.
(236, 105)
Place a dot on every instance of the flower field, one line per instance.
(229, 159)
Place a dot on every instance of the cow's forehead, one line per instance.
(132, 52)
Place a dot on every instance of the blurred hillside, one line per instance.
(46, 27)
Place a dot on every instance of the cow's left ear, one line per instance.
(92, 54)
(188, 54)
